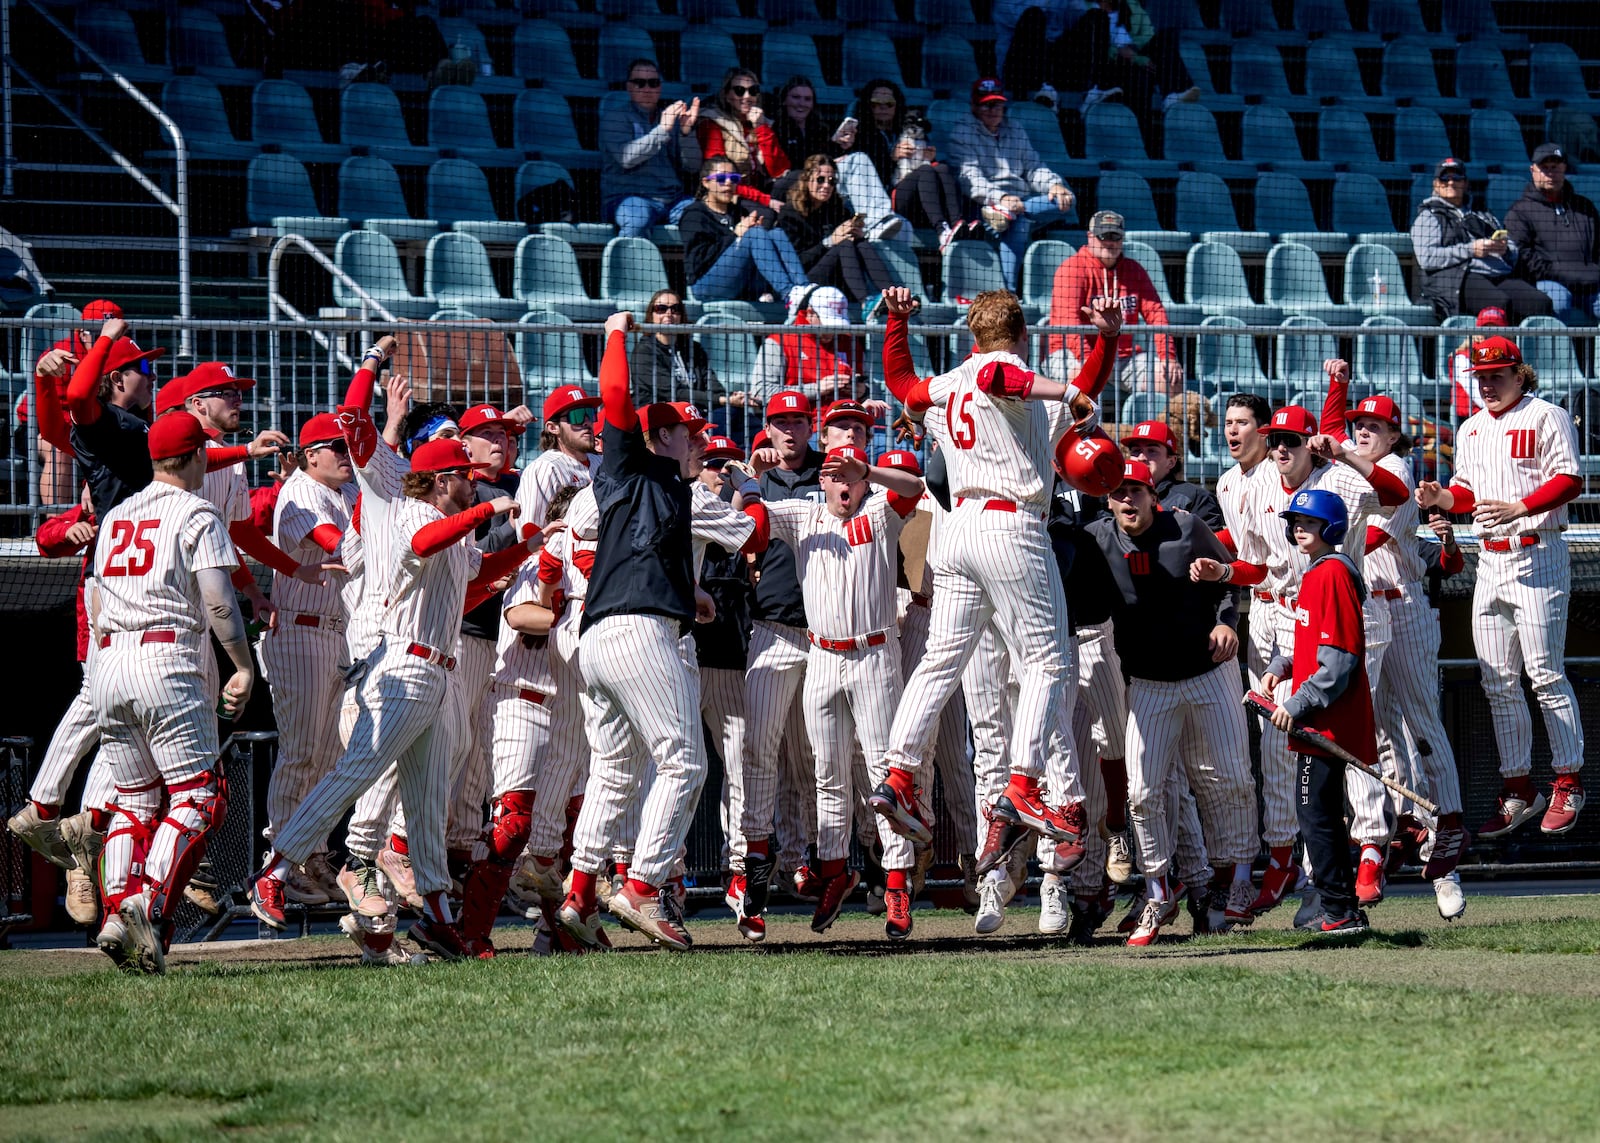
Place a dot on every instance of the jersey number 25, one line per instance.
(126, 534)
(963, 431)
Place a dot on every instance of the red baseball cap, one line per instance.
(320, 429)
(567, 397)
(665, 414)
(847, 411)
(1291, 419)
(441, 455)
(903, 459)
(202, 378)
(101, 310)
(847, 452)
(723, 448)
(1380, 406)
(760, 440)
(125, 354)
(1495, 353)
(1139, 472)
(175, 434)
(481, 416)
(988, 90)
(1158, 431)
(788, 401)
(1493, 315)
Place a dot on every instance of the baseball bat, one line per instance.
(1265, 706)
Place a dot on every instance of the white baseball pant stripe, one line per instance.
(75, 735)
(1519, 623)
(1062, 781)
(950, 752)
(1161, 715)
(521, 738)
(1190, 860)
(998, 567)
(1372, 821)
(989, 690)
(622, 849)
(1409, 698)
(722, 701)
(398, 709)
(794, 826)
(447, 732)
(1089, 874)
(565, 767)
(648, 709)
(772, 684)
(304, 669)
(369, 818)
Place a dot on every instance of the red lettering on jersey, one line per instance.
(858, 531)
(963, 431)
(125, 534)
(1139, 563)
(1522, 443)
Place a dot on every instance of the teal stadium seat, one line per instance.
(547, 277)
(1333, 72)
(1044, 132)
(1361, 207)
(1267, 138)
(1367, 262)
(1039, 266)
(1178, 313)
(278, 194)
(369, 258)
(1283, 209)
(540, 50)
(195, 105)
(1408, 73)
(1497, 140)
(458, 121)
(619, 45)
(948, 64)
(1344, 137)
(370, 117)
(1300, 351)
(787, 52)
(645, 14)
(908, 272)
(1216, 283)
(281, 115)
(1556, 72)
(1296, 285)
(1226, 362)
(110, 32)
(370, 196)
(1205, 207)
(1386, 364)
(200, 45)
(1129, 195)
(707, 54)
(551, 360)
(457, 273)
(1555, 359)
(729, 355)
(724, 15)
(1481, 73)
(1419, 138)
(1191, 136)
(631, 270)
(464, 35)
(543, 129)
(1111, 135)
(871, 55)
(1321, 18)
(1258, 72)
(458, 196)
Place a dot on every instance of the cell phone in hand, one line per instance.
(847, 127)
(1499, 236)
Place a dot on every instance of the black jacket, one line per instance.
(1174, 493)
(800, 144)
(778, 598)
(1071, 513)
(1441, 288)
(724, 643)
(114, 456)
(1560, 240)
(676, 372)
(809, 231)
(706, 234)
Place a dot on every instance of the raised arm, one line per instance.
(83, 391)
(1336, 406)
(615, 387)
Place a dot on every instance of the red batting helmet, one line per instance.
(1092, 464)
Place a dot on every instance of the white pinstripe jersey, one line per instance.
(227, 489)
(1268, 543)
(380, 485)
(1398, 562)
(847, 567)
(353, 554)
(303, 506)
(425, 593)
(582, 534)
(712, 520)
(999, 448)
(149, 548)
(550, 472)
(520, 661)
(1509, 456)
(1233, 494)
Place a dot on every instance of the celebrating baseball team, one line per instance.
(508, 680)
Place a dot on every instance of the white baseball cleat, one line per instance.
(1055, 904)
(993, 894)
(143, 942)
(113, 941)
(391, 957)
(41, 835)
(1119, 858)
(1447, 894)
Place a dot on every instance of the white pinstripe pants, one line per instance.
(772, 684)
(565, 766)
(1102, 690)
(989, 689)
(722, 700)
(795, 823)
(1372, 820)
(1161, 715)
(995, 566)
(521, 738)
(75, 735)
(1280, 774)
(302, 666)
(1408, 702)
(447, 732)
(950, 751)
(1063, 779)
(1086, 877)
(648, 709)
(470, 766)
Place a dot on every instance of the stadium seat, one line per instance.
(642, 14)
(1361, 207)
(1216, 283)
(953, 16)
(457, 273)
(707, 54)
(541, 51)
(1555, 359)
(1178, 313)
(37, 340)
(1193, 51)
(870, 55)
(195, 105)
(1205, 207)
(1469, 18)
(1267, 138)
(458, 196)
(370, 196)
(729, 355)
(110, 32)
(1039, 266)
(1044, 132)
(723, 15)
(488, 13)
(1300, 351)
(278, 194)
(1333, 72)
(1138, 407)
(370, 258)
(970, 268)
(1419, 138)
(1394, 18)
(566, 14)
(1386, 364)
(620, 44)
(1497, 139)
(1258, 71)
(281, 115)
(1227, 362)
(543, 128)
(370, 117)
(1481, 74)
(1191, 137)
(458, 121)
(546, 276)
(1504, 190)
(1344, 138)
(1283, 209)
(631, 270)
(948, 64)
(908, 272)
(787, 52)
(465, 36)
(799, 16)
(1408, 73)
(1249, 17)
(550, 360)
(1321, 17)
(1367, 261)
(200, 45)
(1111, 135)
(1555, 72)
(1129, 195)
(876, 14)
(1295, 285)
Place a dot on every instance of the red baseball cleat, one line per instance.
(1514, 808)
(896, 800)
(831, 899)
(897, 919)
(1449, 843)
(266, 902)
(999, 839)
(442, 940)
(1277, 881)
(1566, 799)
(1024, 805)
(1369, 881)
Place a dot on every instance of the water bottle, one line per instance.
(1380, 290)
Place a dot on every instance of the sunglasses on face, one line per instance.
(1285, 440)
(576, 417)
(824, 180)
(1491, 355)
(233, 396)
(667, 308)
(740, 89)
(142, 366)
(727, 178)
(716, 465)
(1109, 237)
(1452, 178)
(340, 447)
(652, 81)
(883, 102)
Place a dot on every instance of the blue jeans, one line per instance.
(761, 253)
(636, 214)
(1038, 211)
(1574, 309)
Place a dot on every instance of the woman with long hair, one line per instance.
(830, 240)
(925, 190)
(735, 127)
(728, 252)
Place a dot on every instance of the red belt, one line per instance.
(1265, 596)
(423, 651)
(535, 697)
(156, 635)
(877, 639)
(1388, 593)
(331, 622)
(1511, 543)
(920, 600)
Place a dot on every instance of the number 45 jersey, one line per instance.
(1507, 457)
(997, 448)
(147, 553)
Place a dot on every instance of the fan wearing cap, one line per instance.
(434, 564)
(1516, 470)
(1558, 231)
(569, 451)
(163, 590)
(821, 365)
(1465, 259)
(1153, 444)
(846, 554)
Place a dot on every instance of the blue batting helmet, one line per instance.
(1319, 504)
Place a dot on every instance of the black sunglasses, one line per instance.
(825, 180)
(339, 446)
(667, 308)
(653, 81)
(740, 89)
(1285, 440)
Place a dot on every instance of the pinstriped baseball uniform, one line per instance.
(1521, 597)
(303, 660)
(550, 472)
(1101, 688)
(74, 737)
(1233, 494)
(989, 688)
(523, 688)
(228, 489)
(950, 750)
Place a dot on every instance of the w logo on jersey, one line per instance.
(858, 531)
(1138, 563)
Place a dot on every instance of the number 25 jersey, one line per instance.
(147, 552)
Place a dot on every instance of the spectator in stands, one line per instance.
(1128, 56)
(642, 176)
(1003, 176)
(824, 366)
(802, 132)
(1466, 398)
(1462, 265)
(734, 126)
(667, 364)
(727, 250)
(1038, 28)
(926, 191)
(1099, 269)
(831, 241)
(1558, 232)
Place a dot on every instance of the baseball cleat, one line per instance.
(897, 910)
(1345, 924)
(438, 938)
(1275, 882)
(757, 880)
(322, 875)
(1000, 838)
(994, 893)
(832, 898)
(391, 957)
(1449, 842)
(1512, 810)
(1239, 909)
(203, 892)
(143, 942)
(807, 885)
(302, 889)
(923, 860)
(969, 882)
(397, 868)
(1025, 806)
(1448, 896)
(1309, 914)
(1369, 881)
(1089, 913)
(266, 902)
(1566, 800)
(751, 928)
(899, 806)
(358, 881)
(585, 928)
(113, 941)
(1055, 904)
(655, 916)
(1151, 918)
(83, 841)
(83, 903)
(42, 836)
(1119, 857)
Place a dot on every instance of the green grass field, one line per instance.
(1486, 1030)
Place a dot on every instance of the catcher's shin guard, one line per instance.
(199, 806)
(494, 861)
(126, 854)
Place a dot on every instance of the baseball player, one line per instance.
(1516, 470)
(1000, 427)
(569, 454)
(1153, 444)
(404, 687)
(163, 571)
(1329, 693)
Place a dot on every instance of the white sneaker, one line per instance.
(1309, 914)
(885, 228)
(1451, 900)
(1119, 857)
(1095, 95)
(991, 905)
(1055, 904)
(113, 941)
(83, 903)
(302, 888)
(390, 957)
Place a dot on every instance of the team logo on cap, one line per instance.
(490, 413)
(1144, 430)
(790, 401)
(693, 413)
(1281, 419)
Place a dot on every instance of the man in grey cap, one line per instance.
(1464, 259)
(1558, 231)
